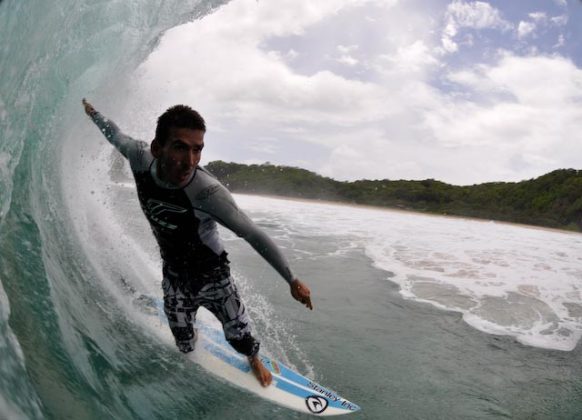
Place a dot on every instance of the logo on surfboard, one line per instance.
(316, 404)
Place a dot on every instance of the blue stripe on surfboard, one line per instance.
(285, 384)
(285, 372)
(232, 359)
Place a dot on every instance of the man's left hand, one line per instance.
(301, 293)
(89, 110)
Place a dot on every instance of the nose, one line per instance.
(193, 157)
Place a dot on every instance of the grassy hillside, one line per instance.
(552, 200)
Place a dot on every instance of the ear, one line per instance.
(156, 148)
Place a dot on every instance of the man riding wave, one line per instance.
(183, 204)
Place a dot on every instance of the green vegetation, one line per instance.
(552, 200)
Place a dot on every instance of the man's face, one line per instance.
(179, 155)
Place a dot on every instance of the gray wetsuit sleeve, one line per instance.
(125, 144)
(219, 204)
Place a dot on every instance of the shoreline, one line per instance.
(397, 210)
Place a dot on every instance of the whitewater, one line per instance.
(415, 316)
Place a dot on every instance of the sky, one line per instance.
(464, 92)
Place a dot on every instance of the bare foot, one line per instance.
(261, 372)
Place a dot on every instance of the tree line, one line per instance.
(551, 200)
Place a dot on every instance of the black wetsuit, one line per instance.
(196, 268)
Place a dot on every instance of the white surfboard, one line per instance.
(288, 389)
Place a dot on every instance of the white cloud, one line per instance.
(561, 41)
(415, 58)
(562, 3)
(449, 45)
(226, 64)
(473, 15)
(551, 81)
(347, 60)
(561, 20)
(264, 145)
(536, 121)
(538, 16)
(346, 56)
(476, 15)
(525, 29)
(292, 54)
(379, 159)
(347, 49)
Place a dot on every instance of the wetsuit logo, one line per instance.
(316, 404)
(159, 212)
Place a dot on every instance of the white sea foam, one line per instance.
(8, 339)
(504, 279)
(12, 367)
(11, 411)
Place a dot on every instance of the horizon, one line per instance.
(391, 180)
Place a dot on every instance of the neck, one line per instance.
(157, 173)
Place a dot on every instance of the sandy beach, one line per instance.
(397, 210)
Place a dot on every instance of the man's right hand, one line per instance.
(301, 293)
(89, 110)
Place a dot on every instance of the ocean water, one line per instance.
(416, 317)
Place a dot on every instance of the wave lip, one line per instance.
(52, 55)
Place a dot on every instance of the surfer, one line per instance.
(183, 202)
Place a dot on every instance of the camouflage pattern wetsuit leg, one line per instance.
(185, 292)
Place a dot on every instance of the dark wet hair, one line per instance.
(178, 116)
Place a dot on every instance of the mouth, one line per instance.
(183, 176)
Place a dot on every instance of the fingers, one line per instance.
(306, 298)
(260, 371)
(89, 110)
(302, 294)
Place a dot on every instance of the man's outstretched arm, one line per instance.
(222, 207)
(110, 130)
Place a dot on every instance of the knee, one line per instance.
(246, 345)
